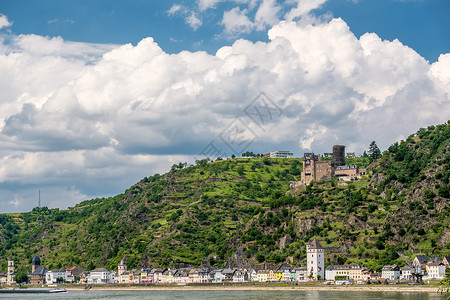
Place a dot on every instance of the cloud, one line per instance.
(303, 8)
(16, 202)
(4, 22)
(236, 21)
(267, 14)
(190, 17)
(193, 21)
(174, 9)
(206, 4)
(82, 120)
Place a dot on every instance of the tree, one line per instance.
(374, 151)
(21, 277)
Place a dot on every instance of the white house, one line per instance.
(240, 276)
(218, 276)
(55, 276)
(99, 276)
(181, 277)
(330, 272)
(203, 275)
(391, 272)
(406, 273)
(315, 263)
(252, 275)
(435, 271)
(113, 277)
(301, 274)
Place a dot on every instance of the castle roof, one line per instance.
(314, 244)
(36, 261)
(41, 270)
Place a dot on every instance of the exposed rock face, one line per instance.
(444, 239)
(285, 240)
(303, 225)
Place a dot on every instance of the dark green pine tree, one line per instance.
(374, 151)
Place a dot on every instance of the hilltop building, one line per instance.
(315, 260)
(315, 169)
(351, 155)
(279, 154)
(338, 156)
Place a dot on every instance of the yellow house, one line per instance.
(272, 275)
(355, 272)
(279, 275)
(342, 271)
(261, 276)
(170, 276)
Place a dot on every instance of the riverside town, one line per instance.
(425, 268)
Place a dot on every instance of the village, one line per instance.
(428, 268)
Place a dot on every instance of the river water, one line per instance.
(244, 295)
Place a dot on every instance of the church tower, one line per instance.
(10, 278)
(315, 260)
(122, 267)
(36, 262)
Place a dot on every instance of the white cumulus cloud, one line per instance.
(236, 21)
(302, 8)
(4, 22)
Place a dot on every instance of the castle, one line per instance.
(316, 169)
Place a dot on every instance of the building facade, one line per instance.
(315, 260)
(11, 272)
(314, 169)
(55, 276)
(279, 154)
(391, 272)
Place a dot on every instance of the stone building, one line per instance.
(315, 260)
(314, 168)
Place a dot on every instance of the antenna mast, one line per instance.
(39, 204)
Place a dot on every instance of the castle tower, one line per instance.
(36, 262)
(315, 260)
(338, 156)
(122, 267)
(10, 278)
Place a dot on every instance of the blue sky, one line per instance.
(421, 24)
(96, 95)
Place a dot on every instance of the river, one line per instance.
(244, 295)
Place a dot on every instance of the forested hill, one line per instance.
(237, 211)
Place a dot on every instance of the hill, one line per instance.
(238, 211)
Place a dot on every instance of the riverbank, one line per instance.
(360, 288)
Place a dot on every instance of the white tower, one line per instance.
(315, 260)
(122, 267)
(10, 275)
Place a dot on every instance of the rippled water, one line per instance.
(247, 295)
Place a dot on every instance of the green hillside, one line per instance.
(237, 210)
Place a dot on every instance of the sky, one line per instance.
(96, 95)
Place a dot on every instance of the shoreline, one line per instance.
(366, 288)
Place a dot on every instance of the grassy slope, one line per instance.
(211, 211)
